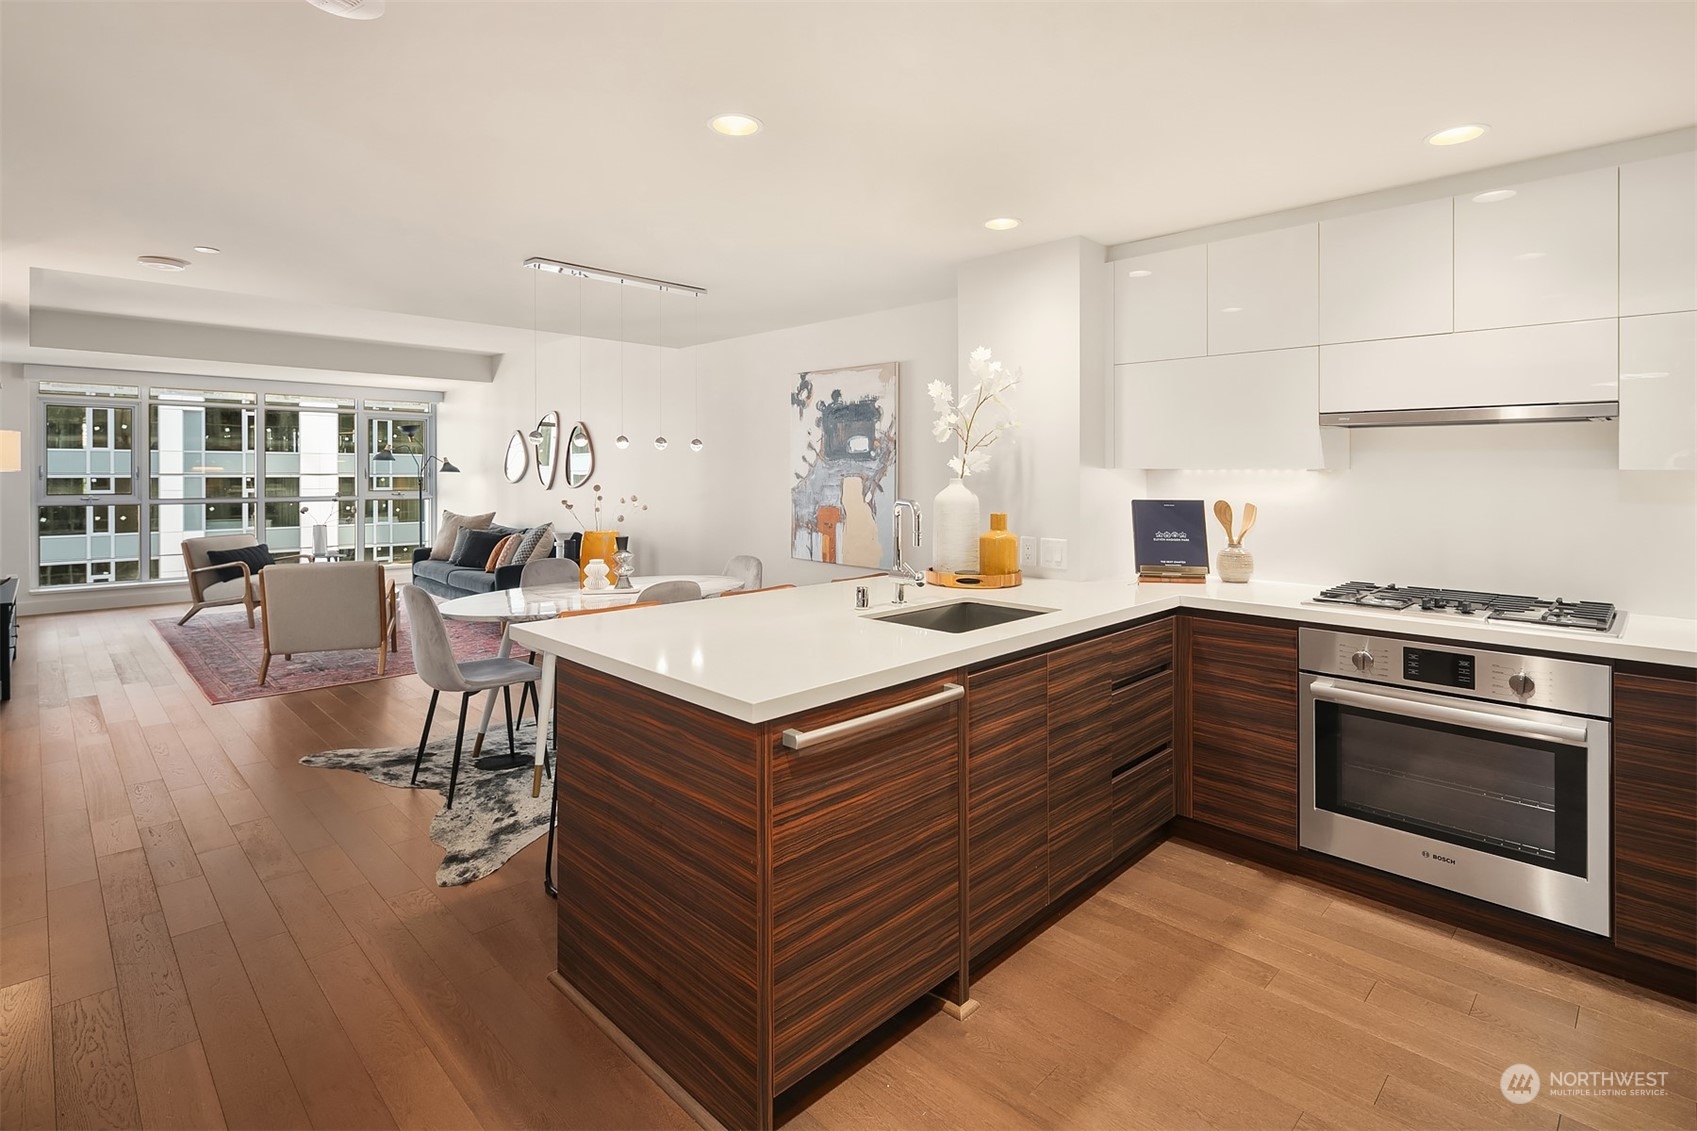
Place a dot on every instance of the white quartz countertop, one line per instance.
(767, 655)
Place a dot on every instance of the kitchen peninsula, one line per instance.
(782, 820)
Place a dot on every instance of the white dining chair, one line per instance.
(561, 572)
(668, 592)
(748, 571)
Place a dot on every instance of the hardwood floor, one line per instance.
(196, 931)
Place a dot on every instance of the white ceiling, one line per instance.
(408, 165)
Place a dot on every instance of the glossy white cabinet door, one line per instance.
(1546, 254)
(1658, 235)
(1161, 305)
(1388, 274)
(1264, 291)
(1562, 363)
(1248, 410)
(1658, 392)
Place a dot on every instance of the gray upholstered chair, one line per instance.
(667, 592)
(205, 587)
(326, 607)
(433, 656)
(747, 569)
(561, 572)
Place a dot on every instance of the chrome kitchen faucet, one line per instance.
(901, 572)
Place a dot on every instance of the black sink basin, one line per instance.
(961, 616)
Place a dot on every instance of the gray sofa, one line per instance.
(447, 580)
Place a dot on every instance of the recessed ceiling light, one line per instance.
(204, 250)
(1526, 256)
(1494, 195)
(735, 125)
(350, 9)
(1140, 273)
(1455, 135)
(1002, 223)
(1231, 310)
(163, 262)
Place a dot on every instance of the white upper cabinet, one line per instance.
(1658, 235)
(1562, 363)
(1536, 252)
(1264, 291)
(1161, 305)
(1658, 392)
(1388, 274)
(1246, 410)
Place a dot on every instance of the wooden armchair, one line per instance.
(327, 607)
(206, 589)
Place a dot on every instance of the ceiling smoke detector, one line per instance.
(350, 9)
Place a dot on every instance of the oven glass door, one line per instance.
(1517, 795)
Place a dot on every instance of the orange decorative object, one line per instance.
(998, 550)
(601, 544)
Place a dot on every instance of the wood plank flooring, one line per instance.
(196, 931)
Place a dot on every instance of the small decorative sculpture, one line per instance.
(595, 575)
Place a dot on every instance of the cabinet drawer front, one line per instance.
(1243, 728)
(1007, 758)
(865, 878)
(1655, 818)
(1144, 710)
(1143, 799)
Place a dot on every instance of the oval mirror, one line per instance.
(518, 458)
(580, 456)
(547, 441)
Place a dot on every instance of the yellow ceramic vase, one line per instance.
(601, 544)
(998, 550)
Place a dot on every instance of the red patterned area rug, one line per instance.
(222, 653)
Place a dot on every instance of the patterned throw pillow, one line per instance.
(510, 542)
(452, 524)
(509, 548)
(538, 542)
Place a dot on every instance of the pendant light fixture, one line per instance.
(660, 370)
(623, 441)
(535, 353)
(696, 445)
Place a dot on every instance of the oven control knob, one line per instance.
(1363, 660)
(1521, 684)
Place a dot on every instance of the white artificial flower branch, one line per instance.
(981, 416)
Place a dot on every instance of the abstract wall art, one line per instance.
(843, 456)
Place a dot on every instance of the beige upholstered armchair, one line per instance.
(326, 607)
(205, 588)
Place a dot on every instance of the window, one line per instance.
(276, 464)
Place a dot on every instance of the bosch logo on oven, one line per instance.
(1440, 858)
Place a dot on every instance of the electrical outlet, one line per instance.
(1054, 553)
(1028, 553)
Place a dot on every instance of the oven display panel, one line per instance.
(1447, 669)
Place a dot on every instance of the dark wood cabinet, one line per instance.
(1007, 767)
(1655, 817)
(1242, 715)
(1110, 704)
(865, 873)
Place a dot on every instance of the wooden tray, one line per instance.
(974, 580)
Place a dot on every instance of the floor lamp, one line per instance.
(386, 454)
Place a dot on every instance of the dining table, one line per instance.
(545, 602)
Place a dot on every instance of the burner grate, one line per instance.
(1597, 616)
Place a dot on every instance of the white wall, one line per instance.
(14, 487)
(743, 490)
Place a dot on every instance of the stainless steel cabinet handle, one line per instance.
(802, 739)
(1458, 716)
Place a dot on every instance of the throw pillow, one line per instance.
(452, 524)
(473, 547)
(508, 549)
(256, 557)
(538, 543)
(506, 544)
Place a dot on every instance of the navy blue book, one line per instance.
(1171, 538)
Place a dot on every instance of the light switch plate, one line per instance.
(1027, 553)
(1054, 553)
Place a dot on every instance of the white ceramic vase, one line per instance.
(955, 529)
(595, 575)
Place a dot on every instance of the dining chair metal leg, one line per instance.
(507, 699)
(424, 736)
(459, 743)
(548, 884)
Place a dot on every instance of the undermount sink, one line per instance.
(960, 616)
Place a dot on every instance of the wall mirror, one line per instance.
(518, 458)
(547, 440)
(580, 456)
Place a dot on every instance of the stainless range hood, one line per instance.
(1487, 414)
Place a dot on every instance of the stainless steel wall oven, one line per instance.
(1486, 773)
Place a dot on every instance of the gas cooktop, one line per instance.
(1582, 616)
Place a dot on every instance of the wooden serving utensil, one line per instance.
(1249, 513)
(1223, 512)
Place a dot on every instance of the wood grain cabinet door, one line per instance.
(1243, 728)
(1007, 767)
(865, 873)
(1655, 817)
